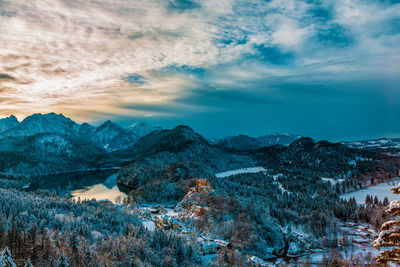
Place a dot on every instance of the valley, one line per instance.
(230, 202)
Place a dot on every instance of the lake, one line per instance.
(107, 190)
(99, 185)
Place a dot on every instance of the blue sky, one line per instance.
(325, 69)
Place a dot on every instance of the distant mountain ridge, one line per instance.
(38, 123)
(380, 143)
(245, 142)
(108, 135)
(47, 143)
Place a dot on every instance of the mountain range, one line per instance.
(108, 135)
(245, 142)
(45, 143)
(51, 142)
(381, 143)
(168, 160)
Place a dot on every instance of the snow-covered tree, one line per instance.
(6, 259)
(390, 233)
(62, 261)
(28, 263)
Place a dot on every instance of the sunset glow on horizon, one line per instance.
(185, 60)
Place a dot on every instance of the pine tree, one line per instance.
(385, 201)
(62, 261)
(367, 199)
(376, 201)
(389, 235)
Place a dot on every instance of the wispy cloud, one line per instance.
(95, 59)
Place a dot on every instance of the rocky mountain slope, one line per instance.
(109, 135)
(278, 139)
(8, 123)
(140, 129)
(45, 143)
(48, 153)
(38, 123)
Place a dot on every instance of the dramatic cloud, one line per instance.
(170, 59)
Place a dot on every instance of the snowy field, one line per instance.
(381, 191)
(332, 181)
(240, 171)
(149, 225)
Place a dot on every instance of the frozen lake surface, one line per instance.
(381, 191)
(240, 171)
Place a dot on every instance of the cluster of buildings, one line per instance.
(167, 222)
(203, 186)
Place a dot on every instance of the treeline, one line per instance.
(373, 211)
(248, 210)
(46, 229)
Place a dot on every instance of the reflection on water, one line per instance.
(107, 190)
(101, 185)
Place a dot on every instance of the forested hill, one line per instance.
(169, 158)
(173, 156)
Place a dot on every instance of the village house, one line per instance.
(167, 222)
(209, 247)
(199, 211)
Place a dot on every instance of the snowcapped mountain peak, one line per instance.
(111, 136)
(42, 123)
(136, 124)
(141, 129)
(49, 121)
(109, 125)
(108, 135)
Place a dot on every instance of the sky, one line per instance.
(327, 69)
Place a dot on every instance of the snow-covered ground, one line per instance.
(149, 225)
(171, 212)
(317, 258)
(332, 181)
(240, 171)
(275, 177)
(381, 191)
